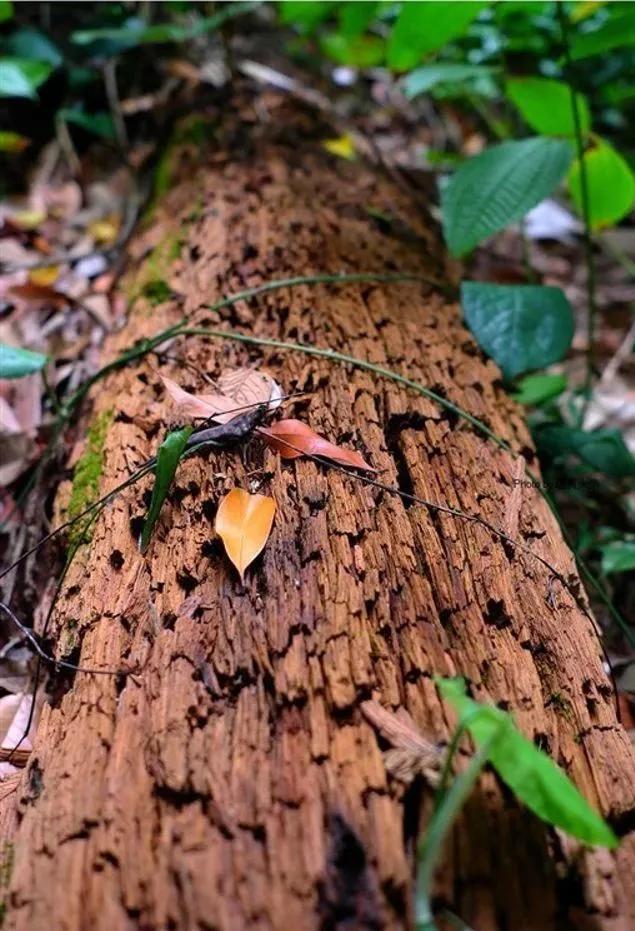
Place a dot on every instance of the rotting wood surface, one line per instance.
(234, 783)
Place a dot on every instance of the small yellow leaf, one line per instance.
(243, 522)
(343, 146)
(28, 219)
(104, 231)
(13, 142)
(44, 276)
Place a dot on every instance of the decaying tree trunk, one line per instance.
(234, 783)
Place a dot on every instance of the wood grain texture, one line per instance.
(235, 783)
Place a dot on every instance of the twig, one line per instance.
(30, 636)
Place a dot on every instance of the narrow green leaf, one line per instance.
(6, 10)
(545, 105)
(427, 77)
(522, 327)
(15, 362)
(170, 452)
(610, 185)
(603, 450)
(21, 77)
(538, 389)
(533, 777)
(424, 27)
(618, 556)
(499, 187)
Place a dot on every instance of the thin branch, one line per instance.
(30, 636)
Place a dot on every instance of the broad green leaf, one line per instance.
(522, 327)
(306, 15)
(618, 556)
(610, 185)
(168, 457)
(32, 44)
(425, 78)
(603, 450)
(101, 124)
(355, 17)
(15, 362)
(498, 187)
(617, 31)
(6, 10)
(21, 77)
(424, 27)
(537, 389)
(358, 51)
(546, 106)
(533, 777)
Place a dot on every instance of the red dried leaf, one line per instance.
(292, 438)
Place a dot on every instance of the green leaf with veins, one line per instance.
(522, 327)
(499, 186)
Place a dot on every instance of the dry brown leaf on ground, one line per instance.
(40, 294)
(243, 522)
(292, 438)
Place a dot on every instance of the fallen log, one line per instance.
(238, 780)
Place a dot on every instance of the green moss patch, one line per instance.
(87, 477)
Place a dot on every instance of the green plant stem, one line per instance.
(442, 820)
(586, 214)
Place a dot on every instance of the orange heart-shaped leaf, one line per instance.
(243, 522)
(292, 438)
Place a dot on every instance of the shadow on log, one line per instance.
(235, 783)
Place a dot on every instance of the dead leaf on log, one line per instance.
(292, 438)
(197, 405)
(238, 388)
(411, 754)
(243, 522)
